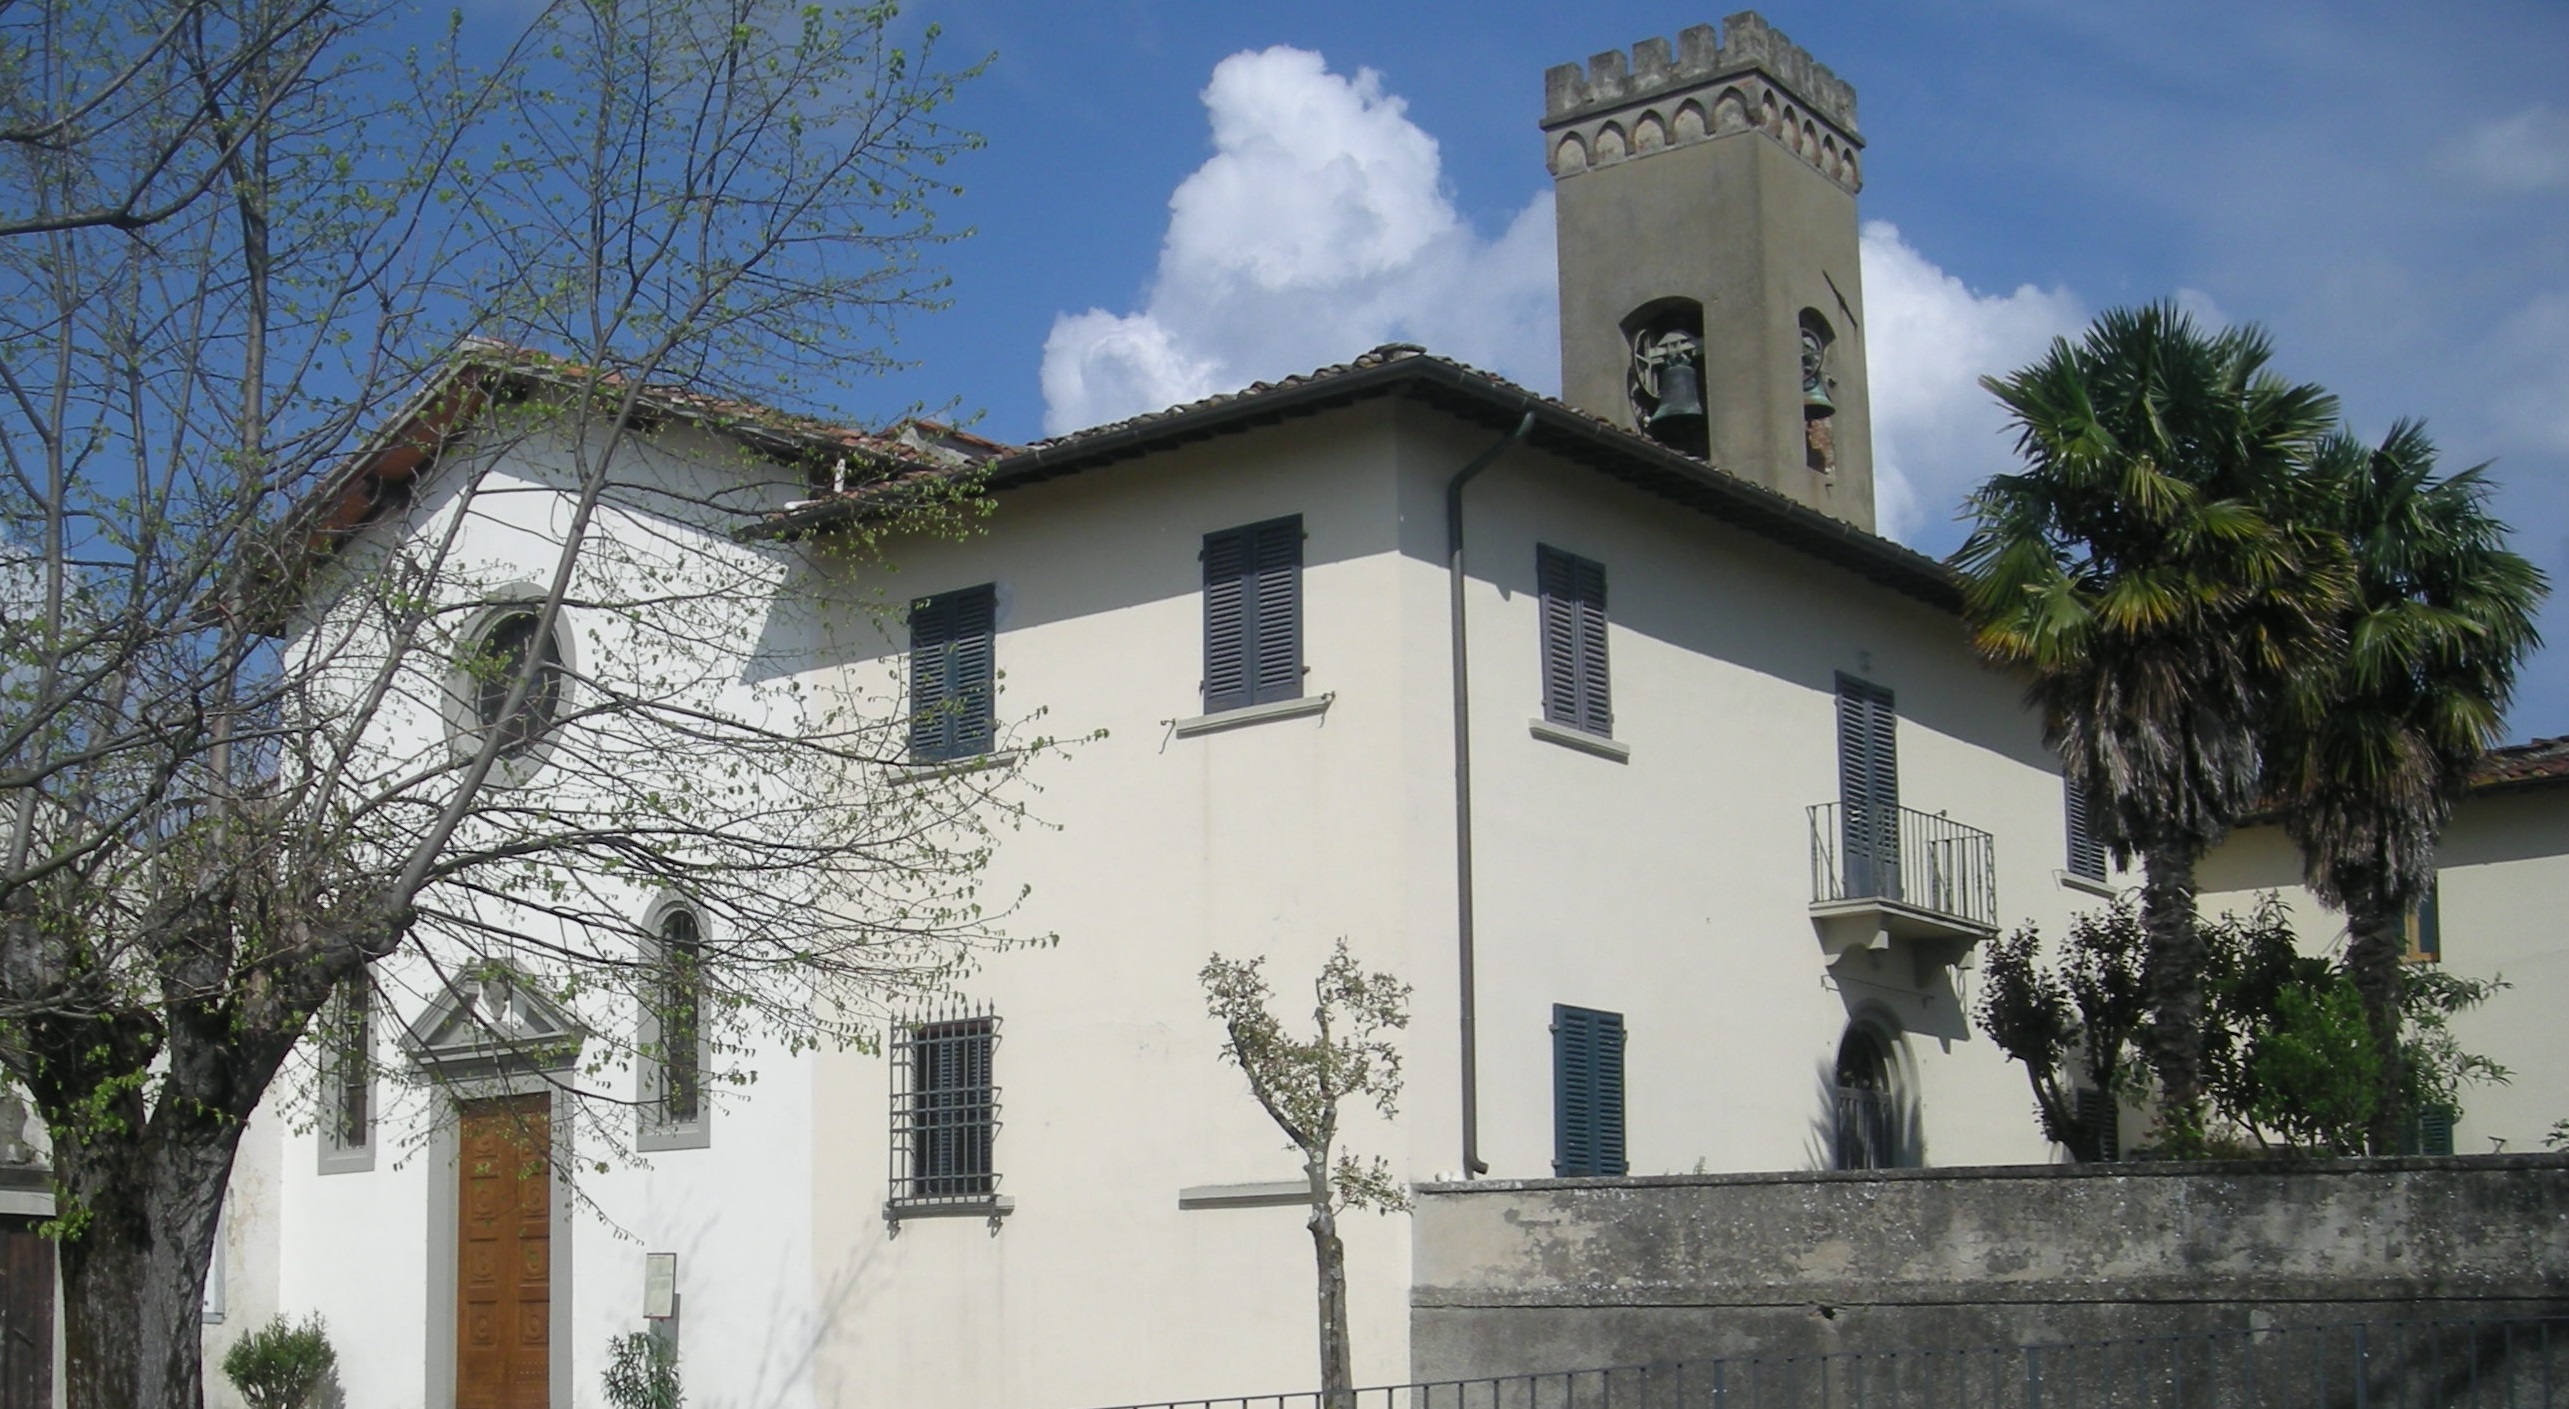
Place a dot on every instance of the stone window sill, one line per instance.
(910, 774)
(1579, 739)
(998, 1206)
(1254, 714)
(2072, 881)
(1273, 1194)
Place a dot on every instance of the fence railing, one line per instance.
(2471, 1364)
(1899, 854)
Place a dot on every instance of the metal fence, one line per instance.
(2481, 1364)
(1918, 859)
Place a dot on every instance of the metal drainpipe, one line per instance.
(1473, 1164)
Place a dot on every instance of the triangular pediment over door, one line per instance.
(494, 1019)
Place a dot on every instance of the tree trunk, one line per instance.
(2373, 947)
(1337, 1369)
(2172, 975)
(133, 1270)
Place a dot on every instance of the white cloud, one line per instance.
(1318, 228)
(2526, 152)
(1929, 339)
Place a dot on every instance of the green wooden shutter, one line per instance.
(1573, 614)
(951, 674)
(1588, 1092)
(2435, 1130)
(2086, 853)
(1226, 626)
(970, 673)
(931, 631)
(1868, 788)
(1275, 618)
(1253, 614)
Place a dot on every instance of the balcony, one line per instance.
(1881, 874)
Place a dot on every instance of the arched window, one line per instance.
(672, 1039)
(502, 652)
(1869, 1118)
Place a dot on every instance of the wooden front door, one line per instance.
(26, 1317)
(504, 1268)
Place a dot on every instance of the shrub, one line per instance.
(282, 1366)
(642, 1372)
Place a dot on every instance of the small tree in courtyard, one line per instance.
(1300, 1083)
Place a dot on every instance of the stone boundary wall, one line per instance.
(1521, 1276)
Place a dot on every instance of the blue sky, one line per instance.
(2385, 187)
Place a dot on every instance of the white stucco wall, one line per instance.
(2503, 882)
(1672, 887)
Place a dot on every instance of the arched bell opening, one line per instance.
(1665, 378)
(1819, 408)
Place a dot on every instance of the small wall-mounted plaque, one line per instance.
(659, 1285)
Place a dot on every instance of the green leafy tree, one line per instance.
(2154, 570)
(1300, 1082)
(237, 239)
(2081, 1015)
(2376, 741)
(2289, 1054)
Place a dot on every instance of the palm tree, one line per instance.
(2372, 751)
(2154, 569)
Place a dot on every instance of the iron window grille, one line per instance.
(952, 675)
(678, 1003)
(348, 1078)
(945, 1113)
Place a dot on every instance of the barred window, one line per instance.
(672, 1036)
(945, 1110)
(347, 1032)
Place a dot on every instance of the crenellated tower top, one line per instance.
(1744, 77)
(1712, 281)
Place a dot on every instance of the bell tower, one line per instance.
(1710, 294)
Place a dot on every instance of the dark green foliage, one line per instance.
(2376, 740)
(281, 1365)
(2154, 569)
(2084, 1014)
(2288, 1056)
(642, 1372)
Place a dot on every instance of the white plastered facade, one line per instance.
(1671, 886)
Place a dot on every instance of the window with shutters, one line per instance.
(2422, 929)
(1587, 1092)
(1868, 789)
(1253, 615)
(672, 1036)
(348, 1078)
(951, 674)
(1573, 591)
(2086, 852)
(945, 1113)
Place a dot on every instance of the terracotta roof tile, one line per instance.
(2523, 765)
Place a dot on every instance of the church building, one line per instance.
(1606, 722)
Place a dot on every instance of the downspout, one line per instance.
(1473, 1164)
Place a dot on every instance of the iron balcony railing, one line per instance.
(2479, 1364)
(1898, 854)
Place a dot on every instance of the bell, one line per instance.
(1681, 398)
(1816, 405)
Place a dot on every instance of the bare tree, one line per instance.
(344, 646)
(1300, 1083)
